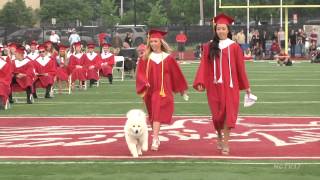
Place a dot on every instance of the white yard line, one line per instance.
(175, 157)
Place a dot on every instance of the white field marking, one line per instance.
(278, 162)
(272, 92)
(271, 116)
(166, 156)
(176, 102)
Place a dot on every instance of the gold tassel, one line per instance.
(162, 93)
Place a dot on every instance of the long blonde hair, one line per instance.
(164, 48)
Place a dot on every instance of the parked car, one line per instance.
(138, 33)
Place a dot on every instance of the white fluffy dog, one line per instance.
(136, 132)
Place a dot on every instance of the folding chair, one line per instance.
(118, 68)
(66, 90)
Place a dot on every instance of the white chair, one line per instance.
(118, 68)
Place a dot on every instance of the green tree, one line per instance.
(66, 11)
(109, 12)
(16, 13)
(157, 16)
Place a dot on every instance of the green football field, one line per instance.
(281, 91)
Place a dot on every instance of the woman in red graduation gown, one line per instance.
(92, 62)
(222, 73)
(107, 62)
(76, 66)
(45, 68)
(62, 70)
(158, 77)
(5, 81)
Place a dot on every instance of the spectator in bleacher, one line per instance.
(92, 64)
(45, 69)
(5, 81)
(222, 58)
(281, 38)
(107, 62)
(283, 58)
(241, 39)
(301, 38)
(23, 75)
(257, 51)
(128, 39)
(55, 40)
(158, 77)
(116, 41)
(263, 40)
(275, 48)
(292, 43)
(314, 37)
(74, 38)
(181, 40)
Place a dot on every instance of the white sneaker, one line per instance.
(155, 144)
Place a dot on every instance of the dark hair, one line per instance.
(214, 45)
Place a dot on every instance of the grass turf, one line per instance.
(282, 91)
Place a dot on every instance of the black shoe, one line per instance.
(10, 99)
(47, 96)
(35, 95)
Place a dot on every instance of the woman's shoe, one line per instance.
(225, 150)
(155, 144)
(219, 144)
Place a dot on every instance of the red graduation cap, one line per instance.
(154, 33)
(91, 45)
(41, 47)
(48, 43)
(33, 43)
(77, 44)
(223, 19)
(106, 45)
(12, 45)
(20, 50)
(62, 48)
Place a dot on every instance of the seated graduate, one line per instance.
(23, 75)
(107, 62)
(5, 81)
(62, 70)
(283, 58)
(76, 66)
(33, 54)
(91, 62)
(45, 69)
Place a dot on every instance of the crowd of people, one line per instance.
(259, 47)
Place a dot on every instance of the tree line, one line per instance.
(151, 12)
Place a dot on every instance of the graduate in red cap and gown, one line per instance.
(222, 74)
(107, 62)
(5, 81)
(62, 67)
(23, 75)
(45, 69)
(92, 64)
(76, 66)
(33, 54)
(158, 77)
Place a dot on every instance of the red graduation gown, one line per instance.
(5, 79)
(223, 100)
(62, 70)
(28, 69)
(46, 65)
(77, 73)
(160, 108)
(106, 68)
(92, 60)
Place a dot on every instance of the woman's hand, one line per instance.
(248, 91)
